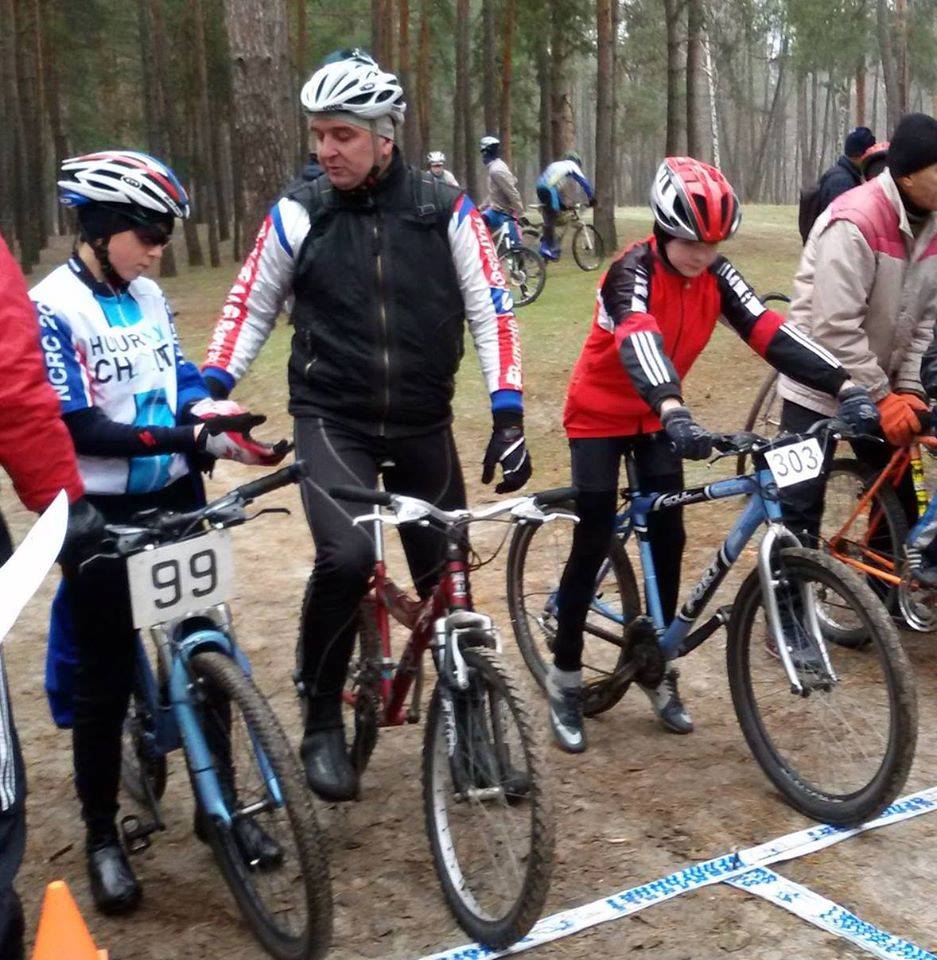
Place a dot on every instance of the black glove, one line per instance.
(508, 448)
(858, 410)
(84, 533)
(689, 439)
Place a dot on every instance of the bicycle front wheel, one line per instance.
(536, 559)
(588, 247)
(526, 273)
(488, 810)
(143, 770)
(840, 751)
(287, 897)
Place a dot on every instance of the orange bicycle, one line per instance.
(865, 526)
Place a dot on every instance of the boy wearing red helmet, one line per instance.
(656, 310)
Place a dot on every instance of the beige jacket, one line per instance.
(866, 290)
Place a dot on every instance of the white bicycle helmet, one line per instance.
(123, 177)
(352, 86)
(487, 142)
(435, 156)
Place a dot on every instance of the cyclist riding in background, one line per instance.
(560, 187)
(385, 264)
(436, 162)
(866, 290)
(138, 413)
(504, 203)
(656, 310)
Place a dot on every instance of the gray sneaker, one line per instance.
(565, 700)
(666, 703)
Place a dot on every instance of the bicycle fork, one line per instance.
(775, 538)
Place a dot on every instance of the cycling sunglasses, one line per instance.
(153, 234)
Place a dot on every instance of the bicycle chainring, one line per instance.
(645, 656)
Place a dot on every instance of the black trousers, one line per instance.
(12, 807)
(99, 602)
(803, 503)
(595, 470)
(425, 466)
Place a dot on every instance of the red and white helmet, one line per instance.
(694, 201)
(122, 177)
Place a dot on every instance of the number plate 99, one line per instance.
(180, 578)
(796, 462)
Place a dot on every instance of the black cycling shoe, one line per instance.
(114, 887)
(329, 770)
(257, 848)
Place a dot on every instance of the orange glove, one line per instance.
(900, 422)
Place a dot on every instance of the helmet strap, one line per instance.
(111, 276)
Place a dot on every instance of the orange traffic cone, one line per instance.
(62, 934)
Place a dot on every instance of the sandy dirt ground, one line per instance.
(638, 805)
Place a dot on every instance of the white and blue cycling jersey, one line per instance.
(566, 184)
(117, 352)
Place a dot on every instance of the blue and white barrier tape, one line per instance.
(719, 870)
(829, 916)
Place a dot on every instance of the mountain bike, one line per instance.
(524, 269)
(588, 245)
(486, 800)
(832, 728)
(865, 526)
(201, 699)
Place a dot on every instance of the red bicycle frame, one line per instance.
(387, 600)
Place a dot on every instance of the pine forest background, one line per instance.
(766, 89)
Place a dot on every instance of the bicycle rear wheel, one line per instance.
(588, 247)
(764, 417)
(841, 751)
(288, 901)
(536, 559)
(525, 272)
(488, 811)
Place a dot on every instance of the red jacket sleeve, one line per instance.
(35, 447)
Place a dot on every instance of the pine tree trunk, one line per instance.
(543, 82)
(411, 146)
(54, 105)
(675, 68)
(208, 160)
(695, 102)
(32, 97)
(489, 69)
(507, 72)
(463, 112)
(605, 122)
(302, 75)
(889, 67)
(803, 139)
(423, 72)
(860, 92)
(902, 61)
(264, 126)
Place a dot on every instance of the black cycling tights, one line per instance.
(424, 466)
(100, 607)
(591, 539)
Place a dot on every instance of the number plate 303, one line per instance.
(180, 578)
(796, 462)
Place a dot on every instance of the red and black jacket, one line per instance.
(649, 326)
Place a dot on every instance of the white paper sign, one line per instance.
(796, 462)
(180, 578)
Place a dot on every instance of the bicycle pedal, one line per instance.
(136, 834)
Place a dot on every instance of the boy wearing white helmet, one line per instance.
(385, 264)
(138, 412)
(436, 161)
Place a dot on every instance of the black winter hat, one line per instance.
(913, 144)
(858, 141)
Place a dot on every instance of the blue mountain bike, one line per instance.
(252, 805)
(834, 729)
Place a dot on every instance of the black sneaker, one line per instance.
(566, 715)
(666, 703)
(114, 887)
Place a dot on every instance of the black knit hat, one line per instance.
(913, 144)
(100, 220)
(858, 141)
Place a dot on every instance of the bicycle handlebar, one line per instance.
(380, 498)
(272, 481)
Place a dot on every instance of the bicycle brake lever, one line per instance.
(260, 513)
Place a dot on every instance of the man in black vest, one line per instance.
(385, 264)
